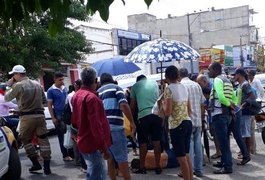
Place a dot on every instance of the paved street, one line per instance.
(67, 170)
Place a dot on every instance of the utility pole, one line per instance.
(241, 52)
(189, 36)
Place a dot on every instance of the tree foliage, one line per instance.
(31, 45)
(14, 11)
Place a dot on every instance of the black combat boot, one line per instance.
(46, 168)
(35, 164)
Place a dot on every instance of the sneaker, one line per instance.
(140, 171)
(198, 174)
(35, 168)
(243, 162)
(223, 171)
(218, 164)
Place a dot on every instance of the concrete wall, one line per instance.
(207, 28)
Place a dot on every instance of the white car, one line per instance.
(10, 166)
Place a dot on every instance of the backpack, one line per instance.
(67, 113)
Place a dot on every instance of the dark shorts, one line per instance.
(149, 126)
(180, 138)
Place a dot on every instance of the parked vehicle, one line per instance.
(10, 166)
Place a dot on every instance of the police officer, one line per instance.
(30, 98)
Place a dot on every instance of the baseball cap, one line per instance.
(18, 69)
(241, 71)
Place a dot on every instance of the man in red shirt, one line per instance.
(88, 116)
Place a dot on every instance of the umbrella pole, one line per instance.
(161, 81)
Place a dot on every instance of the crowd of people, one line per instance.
(173, 113)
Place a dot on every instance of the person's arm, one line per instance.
(168, 102)
(219, 90)
(50, 107)
(101, 128)
(11, 105)
(12, 92)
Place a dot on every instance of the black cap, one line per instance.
(241, 71)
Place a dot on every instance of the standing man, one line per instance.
(254, 82)
(222, 101)
(145, 93)
(30, 98)
(207, 86)
(115, 104)
(93, 137)
(56, 95)
(197, 100)
(244, 93)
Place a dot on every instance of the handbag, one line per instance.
(68, 141)
(251, 107)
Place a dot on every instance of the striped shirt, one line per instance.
(196, 99)
(112, 95)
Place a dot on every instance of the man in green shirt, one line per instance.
(145, 93)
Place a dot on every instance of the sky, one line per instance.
(161, 9)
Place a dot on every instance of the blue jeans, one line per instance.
(235, 129)
(60, 135)
(96, 166)
(196, 150)
(221, 123)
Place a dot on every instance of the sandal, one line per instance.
(180, 174)
(68, 158)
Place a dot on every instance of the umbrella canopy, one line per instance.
(115, 66)
(161, 50)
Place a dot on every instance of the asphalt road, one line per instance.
(67, 170)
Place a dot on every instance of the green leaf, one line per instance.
(148, 2)
(52, 28)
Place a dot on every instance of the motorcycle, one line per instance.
(260, 123)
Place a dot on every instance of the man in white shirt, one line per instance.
(256, 83)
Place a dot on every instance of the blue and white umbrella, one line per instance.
(115, 66)
(161, 50)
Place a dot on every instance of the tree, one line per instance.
(14, 11)
(31, 45)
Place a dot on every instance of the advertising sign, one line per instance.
(228, 56)
(217, 55)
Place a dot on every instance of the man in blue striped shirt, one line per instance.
(115, 104)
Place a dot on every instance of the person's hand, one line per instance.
(11, 81)
(106, 155)
(55, 121)
(233, 106)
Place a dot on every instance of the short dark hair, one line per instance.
(106, 78)
(139, 78)
(252, 72)
(58, 75)
(216, 66)
(172, 73)
(183, 72)
(88, 76)
(78, 82)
